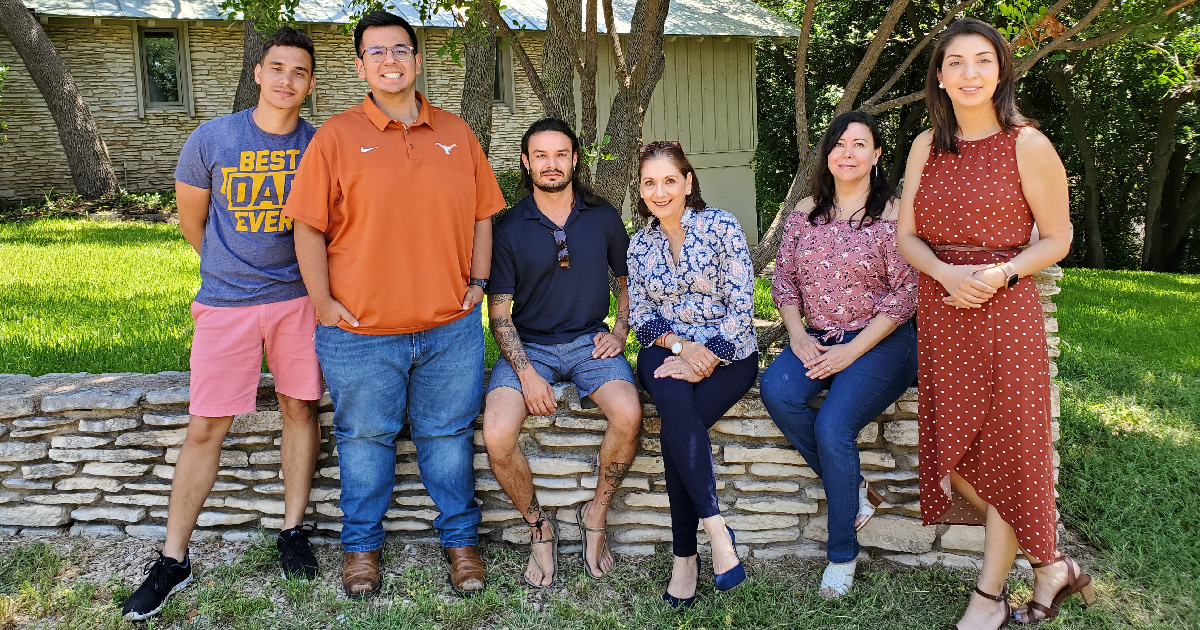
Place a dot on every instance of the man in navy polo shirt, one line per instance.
(550, 256)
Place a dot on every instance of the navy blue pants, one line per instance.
(828, 439)
(687, 410)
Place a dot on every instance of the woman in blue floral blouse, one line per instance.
(691, 294)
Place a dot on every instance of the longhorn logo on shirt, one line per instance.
(446, 148)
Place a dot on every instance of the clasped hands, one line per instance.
(969, 286)
(822, 361)
(695, 363)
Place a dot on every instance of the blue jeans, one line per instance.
(687, 411)
(434, 380)
(827, 439)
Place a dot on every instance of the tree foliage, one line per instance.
(1125, 62)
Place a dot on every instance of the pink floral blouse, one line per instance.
(842, 276)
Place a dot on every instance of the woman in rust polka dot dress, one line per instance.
(974, 187)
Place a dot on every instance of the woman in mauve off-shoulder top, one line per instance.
(847, 298)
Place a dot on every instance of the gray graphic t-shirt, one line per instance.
(248, 255)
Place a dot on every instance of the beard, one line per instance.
(553, 187)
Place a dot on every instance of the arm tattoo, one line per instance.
(622, 318)
(499, 299)
(614, 474)
(509, 342)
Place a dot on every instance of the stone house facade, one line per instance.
(705, 99)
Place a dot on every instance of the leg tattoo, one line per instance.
(614, 474)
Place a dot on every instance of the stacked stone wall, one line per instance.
(95, 454)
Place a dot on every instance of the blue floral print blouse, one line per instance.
(707, 298)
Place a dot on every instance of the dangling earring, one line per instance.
(875, 170)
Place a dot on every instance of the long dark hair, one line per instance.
(1004, 100)
(672, 151)
(881, 191)
(586, 194)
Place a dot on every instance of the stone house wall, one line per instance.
(144, 150)
(96, 454)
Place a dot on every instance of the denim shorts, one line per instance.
(563, 362)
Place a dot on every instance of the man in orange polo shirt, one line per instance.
(392, 204)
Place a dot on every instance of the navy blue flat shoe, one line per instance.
(734, 576)
(683, 602)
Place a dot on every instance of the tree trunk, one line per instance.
(1175, 242)
(559, 55)
(247, 90)
(86, 154)
(628, 110)
(900, 151)
(479, 59)
(1094, 257)
(587, 91)
(1159, 164)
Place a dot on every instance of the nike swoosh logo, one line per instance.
(365, 149)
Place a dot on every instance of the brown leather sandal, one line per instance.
(536, 528)
(1077, 582)
(1002, 597)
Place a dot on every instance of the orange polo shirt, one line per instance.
(398, 206)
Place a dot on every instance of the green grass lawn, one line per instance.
(86, 296)
(1130, 448)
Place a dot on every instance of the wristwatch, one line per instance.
(480, 282)
(677, 347)
(1011, 273)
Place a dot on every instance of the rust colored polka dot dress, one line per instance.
(983, 373)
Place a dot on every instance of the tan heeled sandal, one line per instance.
(1077, 582)
(1002, 598)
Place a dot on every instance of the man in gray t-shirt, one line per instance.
(233, 178)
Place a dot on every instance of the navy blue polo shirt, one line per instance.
(551, 304)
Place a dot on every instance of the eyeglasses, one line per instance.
(564, 257)
(660, 144)
(400, 52)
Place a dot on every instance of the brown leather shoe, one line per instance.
(360, 574)
(466, 569)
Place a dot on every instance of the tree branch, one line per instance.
(882, 35)
(559, 23)
(1055, 44)
(801, 63)
(1118, 33)
(912, 55)
(618, 55)
(497, 25)
(913, 97)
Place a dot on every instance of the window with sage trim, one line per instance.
(162, 65)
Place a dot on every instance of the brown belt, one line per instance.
(957, 247)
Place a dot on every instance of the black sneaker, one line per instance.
(295, 554)
(164, 578)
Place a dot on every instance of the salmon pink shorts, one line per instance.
(227, 353)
